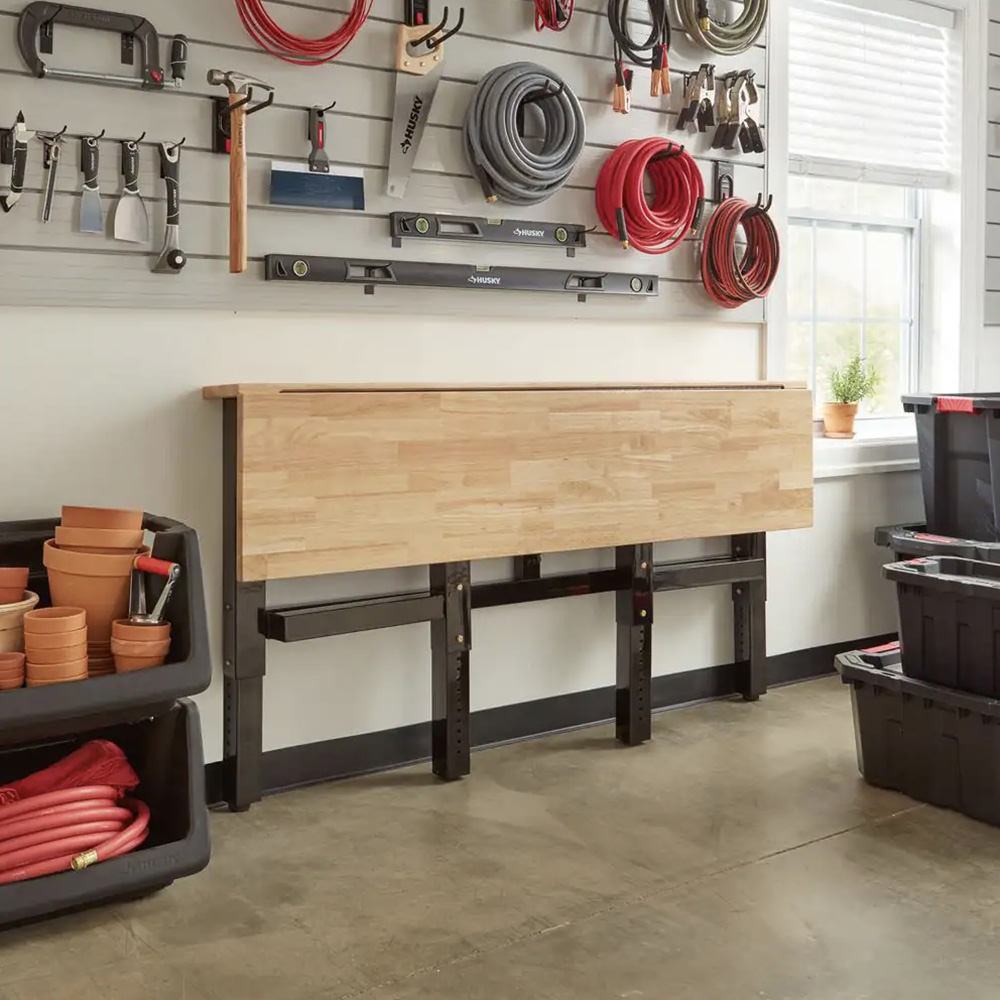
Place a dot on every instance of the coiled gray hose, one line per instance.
(726, 39)
(510, 168)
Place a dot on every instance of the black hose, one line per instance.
(509, 167)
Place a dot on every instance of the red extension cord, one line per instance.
(657, 223)
(271, 37)
(730, 279)
(68, 830)
(547, 14)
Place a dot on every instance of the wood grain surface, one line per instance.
(337, 481)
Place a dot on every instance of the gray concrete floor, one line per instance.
(739, 855)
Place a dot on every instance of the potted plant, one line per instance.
(849, 385)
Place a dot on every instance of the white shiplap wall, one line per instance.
(993, 172)
(55, 265)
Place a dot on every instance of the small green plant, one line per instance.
(855, 381)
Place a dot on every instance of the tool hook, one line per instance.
(177, 145)
(329, 107)
(546, 91)
(760, 208)
(53, 136)
(436, 37)
(96, 138)
(135, 142)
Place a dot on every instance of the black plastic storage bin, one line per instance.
(949, 621)
(959, 440)
(909, 541)
(32, 714)
(166, 752)
(934, 744)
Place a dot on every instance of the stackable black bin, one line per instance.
(909, 541)
(949, 621)
(959, 441)
(166, 752)
(40, 713)
(932, 743)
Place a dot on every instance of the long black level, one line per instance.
(475, 229)
(376, 273)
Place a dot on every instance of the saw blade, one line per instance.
(414, 100)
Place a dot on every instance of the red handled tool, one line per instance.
(137, 599)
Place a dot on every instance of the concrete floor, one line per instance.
(739, 855)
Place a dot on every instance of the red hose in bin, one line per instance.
(731, 278)
(69, 829)
(657, 223)
(271, 37)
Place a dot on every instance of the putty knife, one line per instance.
(91, 209)
(131, 218)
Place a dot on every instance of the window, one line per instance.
(874, 117)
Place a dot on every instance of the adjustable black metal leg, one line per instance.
(634, 614)
(749, 620)
(244, 647)
(451, 640)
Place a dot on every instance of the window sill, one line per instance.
(886, 447)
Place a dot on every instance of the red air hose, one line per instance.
(271, 37)
(68, 830)
(657, 222)
(554, 14)
(730, 279)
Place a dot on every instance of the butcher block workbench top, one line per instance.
(337, 478)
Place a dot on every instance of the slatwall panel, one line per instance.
(55, 265)
(993, 173)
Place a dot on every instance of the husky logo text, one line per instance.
(480, 279)
(411, 126)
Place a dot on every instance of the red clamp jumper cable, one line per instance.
(554, 14)
(658, 223)
(271, 37)
(652, 52)
(732, 279)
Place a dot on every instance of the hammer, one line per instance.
(240, 89)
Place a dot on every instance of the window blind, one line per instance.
(874, 91)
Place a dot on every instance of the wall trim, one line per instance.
(350, 756)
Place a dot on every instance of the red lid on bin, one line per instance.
(955, 404)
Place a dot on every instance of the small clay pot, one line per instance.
(838, 420)
(126, 648)
(98, 583)
(131, 632)
(11, 685)
(55, 671)
(128, 664)
(12, 623)
(13, 676)
(98, 538)
(11, 595)
(13, 577)
(106, 518)
(45, 621)
(67, 653)
(56, 640)
(63, 680)
(11, 661)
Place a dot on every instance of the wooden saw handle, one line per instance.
(237, 186)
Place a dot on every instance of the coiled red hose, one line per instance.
(271, 37)
(657, 223)
(554, 14)
(730, 279)
(68, 830)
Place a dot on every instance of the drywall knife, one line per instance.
(52, 142)
(91, 209)
(131, 218)
(172, 259)
(14, 154)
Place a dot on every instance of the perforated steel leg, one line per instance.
(749, 620)
(451, 640)
(634, 614)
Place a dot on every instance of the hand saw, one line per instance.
(419, 66)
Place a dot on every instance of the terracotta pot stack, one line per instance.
(11, 671)
(13, 584)
(137, 647)
(55, 641)
(11, 623)
(89, 563)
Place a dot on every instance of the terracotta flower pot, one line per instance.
(838, 419)
(107, 518)
(11, 662)
(13, 577)
(56, 671)
(11, 595)
(124, 629)
(12, 623)
(12, 685)
(128, 664)
(105, 539)
(67, 653)
(47, 621)
(56, 640)
(125, 647)
(97, 583)
(63, 680)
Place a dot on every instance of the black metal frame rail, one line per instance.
(447, 606)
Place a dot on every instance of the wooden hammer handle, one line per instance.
(237, 186)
